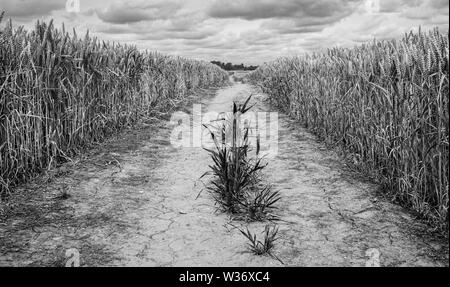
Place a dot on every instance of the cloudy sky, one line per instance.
(244, 31)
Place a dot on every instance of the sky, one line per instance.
(245, 31)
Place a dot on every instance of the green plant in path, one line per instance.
(266, 246)
(260, 202)
(235, 184)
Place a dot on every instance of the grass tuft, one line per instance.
(265, 247)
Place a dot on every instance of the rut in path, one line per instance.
(138, 207)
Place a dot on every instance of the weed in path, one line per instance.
(236, 181)
(266, 246)
(235, 184)
(260, 203)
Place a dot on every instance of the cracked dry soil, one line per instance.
(132, 202)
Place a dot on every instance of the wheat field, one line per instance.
(60, 92)
(386, 103)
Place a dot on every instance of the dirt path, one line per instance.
(133, 202)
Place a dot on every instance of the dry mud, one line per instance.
(133, 202)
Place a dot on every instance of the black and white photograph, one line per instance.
(259, 135)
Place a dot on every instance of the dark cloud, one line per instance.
(30, 8)
(160, 32)
(303, 24)
(265, 9)
(390, 6)
(127, 12)
(440, 4)
(186, 21)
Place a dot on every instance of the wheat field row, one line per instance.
(60, 92)
(386, 103)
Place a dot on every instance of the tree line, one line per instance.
(233, 67)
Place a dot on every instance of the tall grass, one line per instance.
(236, 183)
(60, 92)
(385, 102)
